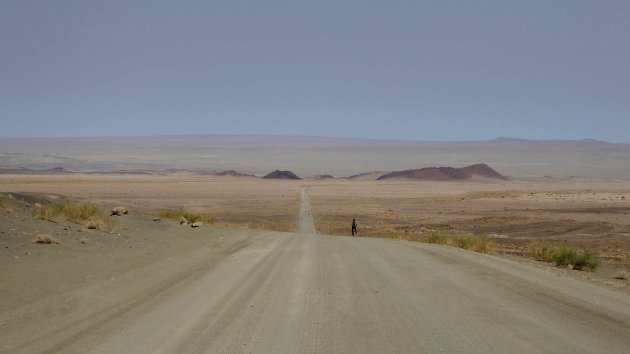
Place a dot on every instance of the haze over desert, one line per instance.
(314, 176)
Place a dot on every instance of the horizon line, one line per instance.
(497, 139)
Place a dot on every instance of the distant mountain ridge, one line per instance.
(339, 157)
(232, 173)
(446, 173)
(587, 141)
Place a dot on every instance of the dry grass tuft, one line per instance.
(70, 210)
(109, 224)
(47, 213)
(46, 239)
(542, 251)
(483, 244)
(436, 237)
(477, 243)
(176, 214)
(77, 211)
(622, 275)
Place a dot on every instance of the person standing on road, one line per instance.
(354, 227)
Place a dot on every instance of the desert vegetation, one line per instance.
(46, 239)
(576, 259)
(70, 210)
(76, 212)
(529, 220)
(102, 223)
(542, 251)
(177, 214)
(478, 243)
(481, 243)
(564, 256)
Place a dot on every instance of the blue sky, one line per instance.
(417, 70)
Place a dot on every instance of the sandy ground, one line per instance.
(246, 202)
(594, 216)
(155, 286)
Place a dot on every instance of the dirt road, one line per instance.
(306, 218)
(257, 292)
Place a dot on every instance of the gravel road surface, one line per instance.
(271, 292)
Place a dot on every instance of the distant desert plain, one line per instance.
(523, 200)
(576, 192)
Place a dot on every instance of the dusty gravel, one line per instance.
(248, 291)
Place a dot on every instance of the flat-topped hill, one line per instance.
(368, 175)
(233, 173)
(446, 173)
(324, 176)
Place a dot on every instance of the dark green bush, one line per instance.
(578, 260)
(586, 259)
(564, 256)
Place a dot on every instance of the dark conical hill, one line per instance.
(277, 174)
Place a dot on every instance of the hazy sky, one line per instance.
(420, 70)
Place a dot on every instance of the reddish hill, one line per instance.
(277, 174)
(482, 170)
(446, 173)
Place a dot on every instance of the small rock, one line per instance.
(38, 206)
(157, 219)
(183, 221)
(27, 253)
(118, 211)
(92, 226)
(196, 224)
